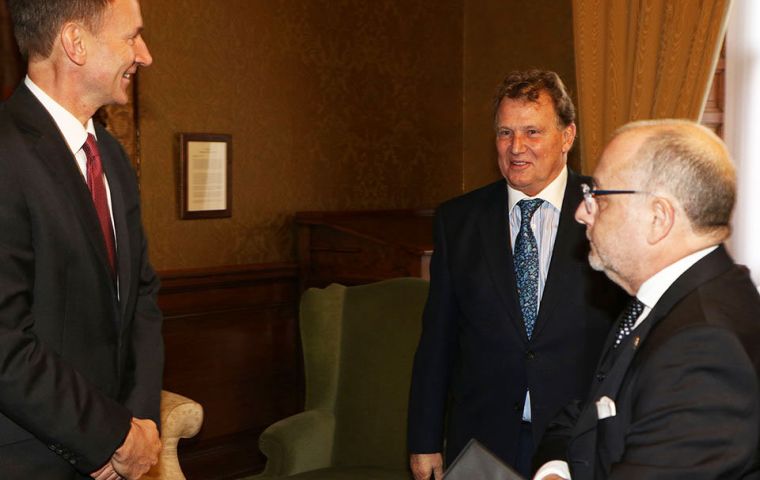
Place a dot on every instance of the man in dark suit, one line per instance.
(81, 354)
(515, 317)
(677, 393)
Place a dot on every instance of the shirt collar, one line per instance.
(74, 133)
(554, 193)
(651, 290)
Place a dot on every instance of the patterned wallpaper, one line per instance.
(120, 121)
(341, 104)
(331, 104)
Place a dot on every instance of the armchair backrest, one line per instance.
(359, 345)
(321, 321)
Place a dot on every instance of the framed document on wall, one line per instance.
(205, 175)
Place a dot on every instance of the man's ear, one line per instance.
(568, 137)
(74, 42)
(663, 216)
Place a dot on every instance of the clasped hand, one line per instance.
(136, 455)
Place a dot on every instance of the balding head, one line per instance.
(689, 162)
(664, 190)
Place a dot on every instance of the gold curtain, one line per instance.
(639, 59)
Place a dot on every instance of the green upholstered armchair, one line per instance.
(358, 345)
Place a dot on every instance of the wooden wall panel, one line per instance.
(363, 246)
(232, 344)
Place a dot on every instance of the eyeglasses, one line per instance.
(590, 194)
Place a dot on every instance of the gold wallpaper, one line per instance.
(331, 104)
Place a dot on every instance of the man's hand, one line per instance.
(426, 466)
(106, 472)
(139, 451)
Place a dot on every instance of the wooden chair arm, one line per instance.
(180, 418)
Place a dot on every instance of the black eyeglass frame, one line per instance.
(590, 193)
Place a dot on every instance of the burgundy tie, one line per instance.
(99, 197)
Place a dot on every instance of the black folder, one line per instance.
(476, 462)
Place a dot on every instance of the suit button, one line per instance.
(73, 461)
(530, 355)
(600, 377)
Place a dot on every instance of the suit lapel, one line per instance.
(715, 263)
(610, 386)
(568, 231)
(110, 156)
(583, 447)
(48, 144)
(495, 235)
(712, 265)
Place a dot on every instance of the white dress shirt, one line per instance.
(73, 132)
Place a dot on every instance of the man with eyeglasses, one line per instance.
(676, 390)
(515, 318)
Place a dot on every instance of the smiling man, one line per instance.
(515, 317)
(81, 354)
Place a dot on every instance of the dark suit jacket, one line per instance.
(685, 386)
(76, 360)
(474, 350)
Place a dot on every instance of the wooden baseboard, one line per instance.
(231, 337)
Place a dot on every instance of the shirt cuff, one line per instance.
(556, 467)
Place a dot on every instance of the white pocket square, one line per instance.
(605, 408)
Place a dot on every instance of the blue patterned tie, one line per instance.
(526, 264)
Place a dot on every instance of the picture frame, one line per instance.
(205, 175)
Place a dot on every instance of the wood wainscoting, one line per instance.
(232, 344)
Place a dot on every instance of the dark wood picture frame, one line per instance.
(192, 187)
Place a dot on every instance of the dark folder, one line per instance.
(476, 462)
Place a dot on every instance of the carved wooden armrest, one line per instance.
(180, 418)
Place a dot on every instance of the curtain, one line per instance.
(639, 59)
(742, 120)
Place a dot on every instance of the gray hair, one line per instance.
(691, 163)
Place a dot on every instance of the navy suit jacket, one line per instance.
(474, 361)
(685, 387)
(77, 361)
